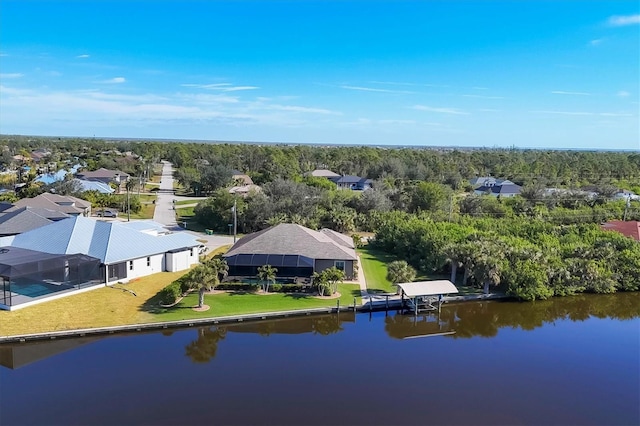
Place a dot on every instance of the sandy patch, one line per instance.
(203, 309)
(335, 295)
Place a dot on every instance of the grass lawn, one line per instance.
(224, 304)
(374, 263)
(194, 201)
(146, 212)
(108, 306)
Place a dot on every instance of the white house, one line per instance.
(127, 250)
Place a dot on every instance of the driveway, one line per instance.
(166, 215)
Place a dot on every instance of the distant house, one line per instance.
(485, 181)
(294, 250)
(25, 219)
(244, 190)
(355, 183)
(324, 173)
(629, 229)
(240, 178)
(49, 178)
(105, 176)
(497, 187)
(625, 194)
(91, 185)
(63, 203)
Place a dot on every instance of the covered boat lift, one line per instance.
(425, 295)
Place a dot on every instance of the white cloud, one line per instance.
(483, 97)
(623, 94)
(224, 87)
(596, 42)
(83, 56)
(620, 21)
(489, 110)
(115, 80)
(295, 108)
(12, 75)
(373, 89)
(584, 113)
(562, 92)
(440, 110)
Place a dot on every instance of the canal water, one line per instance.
(568, 361)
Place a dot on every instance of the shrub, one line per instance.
(170, 293)
(238, 286)
(276, 287)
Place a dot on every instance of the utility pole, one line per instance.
(235, 220)
(626, 208)
(128, 203)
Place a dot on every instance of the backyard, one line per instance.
(374, 263)
(117, 305)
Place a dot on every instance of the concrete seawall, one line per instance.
(375, 303)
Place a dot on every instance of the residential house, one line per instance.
(629, 229)
(63, 203)
(294, 250)
(355, 183)
(109, 243)
(324, 173)
(244, 190)
(107, 176)
(26, 218)
(241, 179)
(498, 188)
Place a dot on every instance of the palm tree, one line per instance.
(400, 271)
(219, 265)
(267, 275)
(205, 347)
(204, 278)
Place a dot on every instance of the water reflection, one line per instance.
(463, 320)
(485, 319)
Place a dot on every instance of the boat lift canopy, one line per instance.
(424, 291)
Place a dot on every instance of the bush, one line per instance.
(170, 293)
(238, 286)
(275, 288)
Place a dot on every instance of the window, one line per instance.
(131, 265)
(191, 252)
(339, 264)
(148, 261)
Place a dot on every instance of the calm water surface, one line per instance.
(568, 361)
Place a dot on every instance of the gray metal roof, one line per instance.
(428, 288)
(108, 241)
(324, 173)
(27, 218)
(343, 240)
(69, 205)
(102, 173)
(291, 239)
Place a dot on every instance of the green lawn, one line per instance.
(183, 202)
(224, 304)
(374, 263)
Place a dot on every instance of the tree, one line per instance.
(205, 347)
(220, 266)
(204, 278)
(267, 275)
(400, 271)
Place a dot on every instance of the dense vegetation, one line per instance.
(422, 208)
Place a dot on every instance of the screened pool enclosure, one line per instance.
(288, 265)
(28, 275)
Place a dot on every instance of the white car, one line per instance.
(108, 213)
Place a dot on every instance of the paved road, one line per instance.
(165, 215)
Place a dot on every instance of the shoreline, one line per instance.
(370, 306)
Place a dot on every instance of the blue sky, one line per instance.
(552, 74)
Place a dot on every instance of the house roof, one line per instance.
(502, 189)
(111, 242)
(102, 173)
(629, 229)
(27, 218)
(94, 185)
(337, 237)
(292, 239)
(49, 178)
(65, 204)
(428, 288)
(324, 173)
(348, 179)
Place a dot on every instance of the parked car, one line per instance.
(108, 213)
